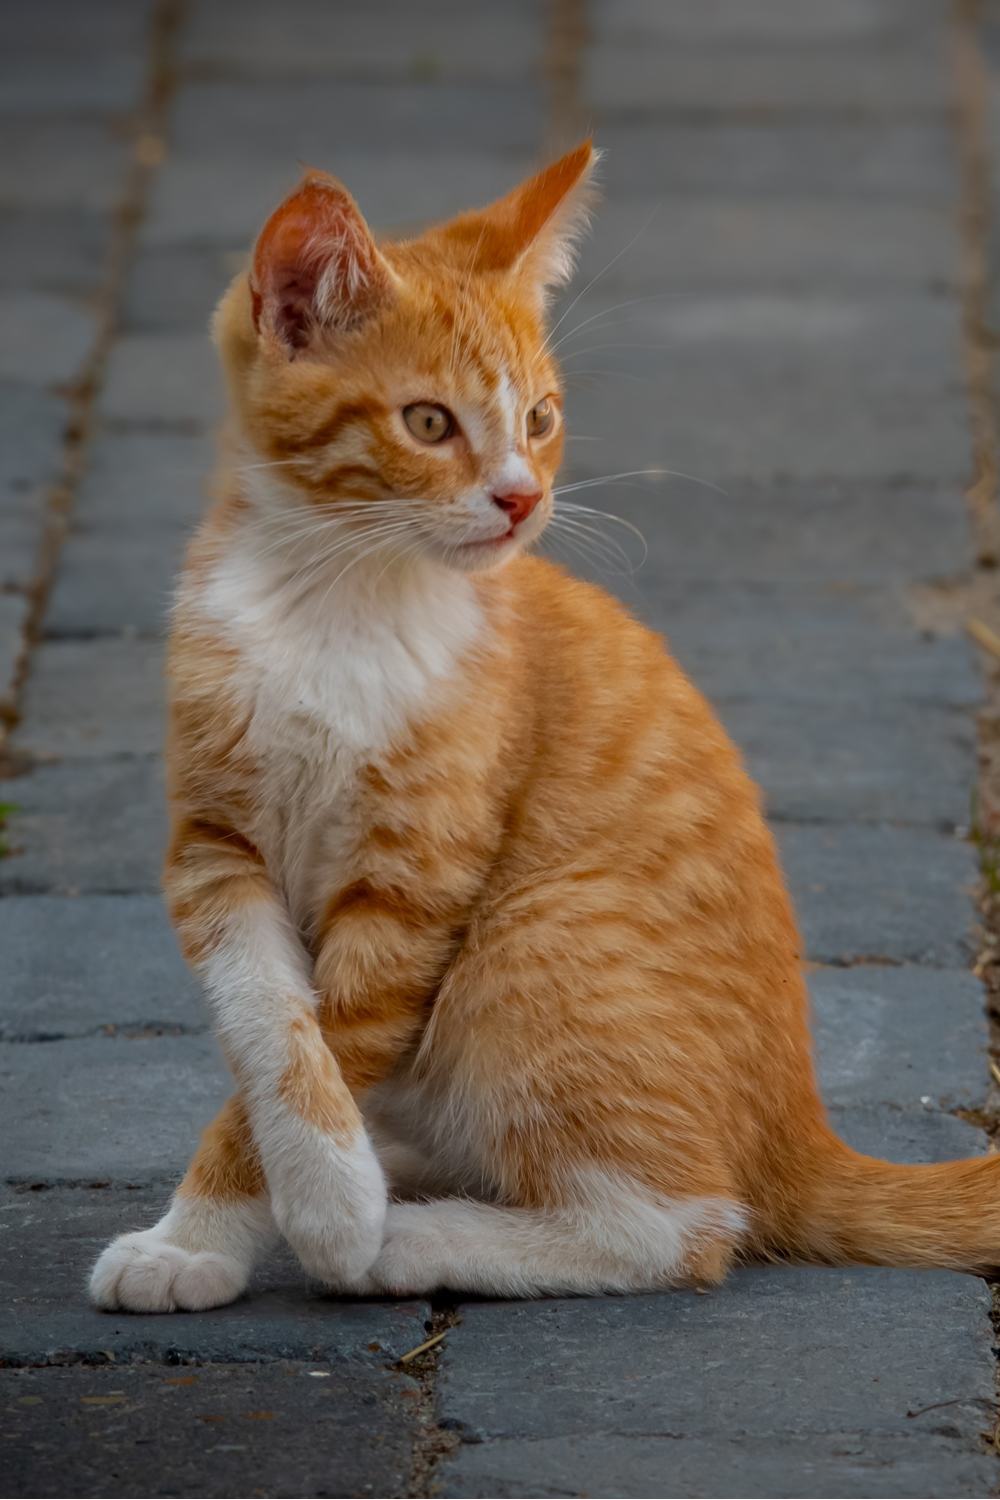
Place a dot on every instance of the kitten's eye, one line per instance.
(540, 418)
(429, 423)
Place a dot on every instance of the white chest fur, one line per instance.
(331, 670)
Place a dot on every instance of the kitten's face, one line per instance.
(406, 390)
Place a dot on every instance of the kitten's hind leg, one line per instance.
(614, 1238)
(202, 1252)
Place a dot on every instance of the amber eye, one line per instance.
(429, 423)
(540, 418)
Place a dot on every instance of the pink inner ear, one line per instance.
(294, 301)
(315, 264)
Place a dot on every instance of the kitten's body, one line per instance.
(479, 889)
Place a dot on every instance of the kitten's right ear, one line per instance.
(316, 268)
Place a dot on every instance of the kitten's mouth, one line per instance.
(490, 542)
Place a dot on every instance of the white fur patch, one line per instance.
(614, 1238)
(328, 1196)
(201, 1254)
(332, 664)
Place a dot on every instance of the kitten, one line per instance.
(492, 930)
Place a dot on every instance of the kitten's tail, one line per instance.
(856, 1209)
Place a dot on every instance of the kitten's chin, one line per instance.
(483, 557)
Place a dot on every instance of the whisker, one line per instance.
(547, 346)
(588, 484)
(608, 515)
(278, 463)
(582, 548)
(609, 546)
(606, 312)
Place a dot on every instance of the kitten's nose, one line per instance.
(518, 504)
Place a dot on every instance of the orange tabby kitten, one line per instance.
(492, 930)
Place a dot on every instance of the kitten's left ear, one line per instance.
(316, 268)
(533, 231)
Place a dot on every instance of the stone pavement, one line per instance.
(784, 322)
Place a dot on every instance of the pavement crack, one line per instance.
(81, 394)
(128, 1031)
(433, 1441)
(977, 229)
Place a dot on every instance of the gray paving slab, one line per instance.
(97, 825)
(178, 289)
(834, 643)
(140, 483)
(811, 533)
(906, 1135)
(13, 623)
(626, 80)
(773, 1352)
(780, 24)
(163, 379)
(379, 45)
(19, 540)
(103, 27)
(51, 1238)
(94, 698)
(736, 240)
(127, 1108)
(79, 965)
(32, 423)
(902, 894)
(763, 387)
(56, 84)
(305, 120)
(899, 1036)
(122, 1432)
(891, 160)
(61, 162)
(52, 249)
(43, 339)
(846, 1464)
(889, 762)
(113, 582)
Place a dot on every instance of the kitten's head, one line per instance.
(409, 383)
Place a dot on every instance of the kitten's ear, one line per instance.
(533, 231)
(316, 268)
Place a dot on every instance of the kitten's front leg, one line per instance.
(202, 1252)
(327, 1191)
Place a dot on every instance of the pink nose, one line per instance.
(518, 504)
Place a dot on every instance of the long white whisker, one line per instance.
(606, 312)
(608, 545)
(547, 346)
(588, 484)
(341, 544)
(608, 515)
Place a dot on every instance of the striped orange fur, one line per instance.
(492, 927)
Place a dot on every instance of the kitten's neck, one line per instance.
(361, 635)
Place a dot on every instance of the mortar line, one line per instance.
(970, 84)
(147, 150)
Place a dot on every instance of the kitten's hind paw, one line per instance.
(144, 1272)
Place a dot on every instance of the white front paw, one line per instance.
(144, 1272)
(330, 1205)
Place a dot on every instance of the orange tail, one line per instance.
(857, 1209)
